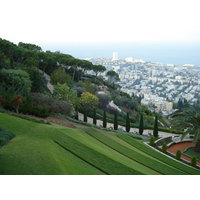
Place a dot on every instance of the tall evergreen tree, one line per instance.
(94, 116)
(116, 120)
(104, 119)
(127, 123)
(76, 112)
(155, 129)
(85, 115)
(141, 126)
(180, 104)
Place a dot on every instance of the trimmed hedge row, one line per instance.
(159, 156)
(31, 119)
(5, 136)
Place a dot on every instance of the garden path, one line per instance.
(132, 130)
(182, 146)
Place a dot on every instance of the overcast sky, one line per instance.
(81, 21)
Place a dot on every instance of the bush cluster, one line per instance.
(36, 110)
(5, 136)
(194, 161)
(152, 141)
(2, 110)
(42, 105)
(164, 147)
(178, 154)
(31, 119)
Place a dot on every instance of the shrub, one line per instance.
(62, 107)
(16, 80)
(104, 99)
(194, 161)
(31, 119)
(2, 100)
(89, 100)
(79, 90)
(164, 147)
(2, 110)
(178, 154)
(5, 136)
(54, 106)
(42, 99)
(59, 75)
(110, 109)
(39, 111)
(17, 101)
(152, 140)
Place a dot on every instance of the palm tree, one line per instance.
(188, 119)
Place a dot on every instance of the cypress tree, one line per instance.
(94, 116)
(76, 112)
(127, 123)
(104, 119)
(152, 141)
(85, 115)
(178, 154)
(164, 147)
(116, 120)
(155, 129)
(194, 161)
(180, 104)
(141, 126)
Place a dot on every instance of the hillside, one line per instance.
(25, 89)
(54, 149)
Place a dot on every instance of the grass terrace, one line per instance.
(49, 149)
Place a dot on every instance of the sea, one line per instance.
(165, 53)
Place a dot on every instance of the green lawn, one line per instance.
(190, 152)
(53, 149)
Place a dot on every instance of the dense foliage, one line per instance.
(5, 136)
(22, 69)
(188, 119)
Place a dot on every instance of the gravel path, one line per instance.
(182, 146)
(49, 85)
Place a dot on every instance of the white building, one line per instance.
(115, 56)
(130, 59)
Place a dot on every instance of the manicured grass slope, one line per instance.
(53, 149)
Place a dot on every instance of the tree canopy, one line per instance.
(15, 81)
(89, 100)
(188, 119)
(112, 76)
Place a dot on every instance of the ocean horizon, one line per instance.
(167, 53)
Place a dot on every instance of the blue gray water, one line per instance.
(177, 54)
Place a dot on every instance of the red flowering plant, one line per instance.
(17, 101)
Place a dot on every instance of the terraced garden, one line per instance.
(53, 149)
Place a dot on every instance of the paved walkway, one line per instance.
(132, 130)
(48, 78)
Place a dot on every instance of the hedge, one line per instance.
(5, 136)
